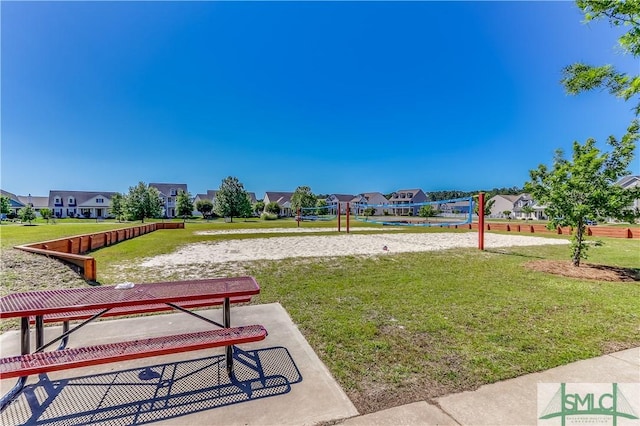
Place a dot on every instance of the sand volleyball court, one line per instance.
(382, 244)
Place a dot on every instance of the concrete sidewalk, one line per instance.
(514, 401)
(295, 388)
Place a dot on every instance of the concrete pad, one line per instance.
(418, 413)
(314, 397)
(514, 401)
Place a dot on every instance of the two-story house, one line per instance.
(86, 204)
(406, 196)
(168, 194)
(360, 202)
(14, 202)
(631, 181)
(518, 205)
(333, 200)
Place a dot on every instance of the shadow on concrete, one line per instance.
(150, 394)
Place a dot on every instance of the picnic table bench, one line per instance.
(90, 303)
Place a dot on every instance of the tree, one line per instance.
(427, 211)
(118, 207)
(27, 214)
(184, 204)
(585, 187)
(580, 77)
(5, 205)
(527, 210)
(142, 202)
(232, 200)
(273, 208)
(258, 207)
(321, 206)
(205, 207)
(302, 198)
(46, 213)
(488, 205)
(507, 214)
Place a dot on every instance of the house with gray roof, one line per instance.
(14, 202)
(282, 198)
(406, 196)
(168, 194)
(87, 204)
(631, 181)
(360, 202)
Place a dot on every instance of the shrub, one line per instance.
(268, 216)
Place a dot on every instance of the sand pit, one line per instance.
(301, 230)
(274, 248)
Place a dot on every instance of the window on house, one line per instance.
(99, 200)
(173, 191)
(410, 195)
(71, 200)
(169, 200)
(57, 200)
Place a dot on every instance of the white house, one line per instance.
(87, 204)
(168, 194)
(370, 198)
(282, 198)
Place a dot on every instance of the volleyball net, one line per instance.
(319, 213)
(457, 211)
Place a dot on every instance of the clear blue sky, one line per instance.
(344, 97)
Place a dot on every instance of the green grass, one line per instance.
(424, 324)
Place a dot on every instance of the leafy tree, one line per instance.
(273, 208)
(580, 77)
(142, 202)
(205, 207)
(27, 214)
(118, 207)
(507, 214)
(369, 211)
(232, 200)
(46, 213)
(321, 206)
(5, 205)
(488, 205)
(184, 204)
(527, 210)
(302, 198)
(585, 187)
(258, 207)
(427, 211)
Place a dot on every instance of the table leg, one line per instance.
(226, 312)
(25, 348)
(39, 331)
(25, 336)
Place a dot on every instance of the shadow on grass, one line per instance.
(155, 393)
(513, 253)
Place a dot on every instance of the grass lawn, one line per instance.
(404, 327)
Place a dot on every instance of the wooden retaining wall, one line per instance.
(73, 249)
(595, 231)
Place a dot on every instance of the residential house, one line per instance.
(333, 200)
(455, 208)
(282, 198)
(372, 199)
(168, 194)
(631, 181)
(516, 204)
(88, 204)
(406, 196)
(36, 202)
(210, 195)
(14, 202)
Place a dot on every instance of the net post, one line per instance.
(481, 221)
(339, 218)
(298, 217)
(348, 212)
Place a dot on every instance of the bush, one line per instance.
(268, 216)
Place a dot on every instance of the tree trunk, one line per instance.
(578, 249)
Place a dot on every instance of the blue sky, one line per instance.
(344, 97)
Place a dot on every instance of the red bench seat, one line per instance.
(42, 362)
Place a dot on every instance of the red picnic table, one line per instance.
(99, 301)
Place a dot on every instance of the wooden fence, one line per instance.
(73, 249)
(595, 231)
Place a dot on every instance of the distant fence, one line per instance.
(596, 231)
(73, 249)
